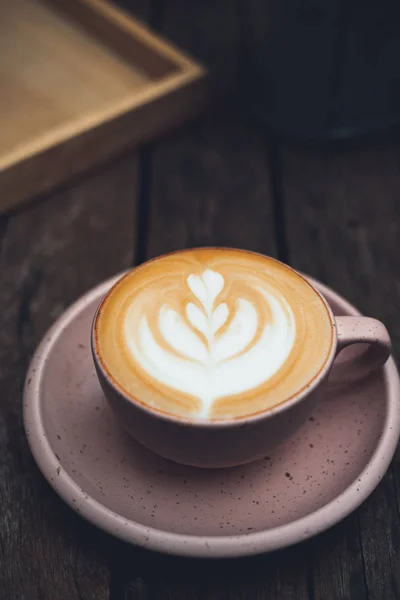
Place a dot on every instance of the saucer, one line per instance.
(307, 485)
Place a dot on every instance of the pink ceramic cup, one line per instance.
(231, 443)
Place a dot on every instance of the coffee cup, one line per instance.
(213, 356)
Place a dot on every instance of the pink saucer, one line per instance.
(307, 485)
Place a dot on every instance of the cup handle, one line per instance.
(365, 330)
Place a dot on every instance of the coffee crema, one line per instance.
(213, 334)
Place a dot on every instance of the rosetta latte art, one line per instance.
(213, 334)
(213, 349)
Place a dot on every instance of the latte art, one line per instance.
(213, 333)
(211, 349)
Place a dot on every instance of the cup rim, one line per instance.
(214, 423)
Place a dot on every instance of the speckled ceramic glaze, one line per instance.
(302, 488)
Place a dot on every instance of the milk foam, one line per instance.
(213, 333)
(211, 349)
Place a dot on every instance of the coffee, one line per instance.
(213, 334)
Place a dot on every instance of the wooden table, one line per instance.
(333, 213)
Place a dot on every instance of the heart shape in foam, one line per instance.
(206, 288)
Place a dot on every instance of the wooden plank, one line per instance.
(335, 565)
(277, 576)
(342, 217)
(51, 254)
(209, 185)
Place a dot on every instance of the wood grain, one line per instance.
(50, 254)
(211, 186)
(81, 85)
(342, 217)
(69, 74)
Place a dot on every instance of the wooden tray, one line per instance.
(79, 81)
